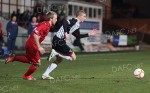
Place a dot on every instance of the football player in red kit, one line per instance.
(33, 48)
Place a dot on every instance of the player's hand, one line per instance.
(39, 64)
(67, 37)
(93, 32)
(42, 50)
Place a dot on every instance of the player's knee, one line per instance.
(73, 58)
(58, 60)
(38, 63)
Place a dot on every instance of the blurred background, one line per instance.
(123, 25)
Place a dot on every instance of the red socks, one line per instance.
(31, 70)
(24, 59)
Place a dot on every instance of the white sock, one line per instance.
(50, 68)
(65, 57)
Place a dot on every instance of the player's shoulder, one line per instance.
(44, 24)
(72, 21)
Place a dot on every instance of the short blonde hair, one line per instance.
(50, 15)
(80, 12)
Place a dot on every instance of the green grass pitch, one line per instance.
(91, 73)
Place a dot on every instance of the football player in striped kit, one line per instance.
(59, 47)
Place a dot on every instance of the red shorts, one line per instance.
(32, 53)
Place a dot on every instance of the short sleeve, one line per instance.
(39, 29)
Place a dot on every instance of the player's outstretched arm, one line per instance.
(93, 32)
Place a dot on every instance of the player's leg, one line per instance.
(77, 42)
(59, 48)
(23, 59)
(13, 58)
(80, 46)
(51, 68)
(35, 61)
(68, 56)
(54, 53)
(73, 56)
(30, 71)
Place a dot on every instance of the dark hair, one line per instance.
(32, 17)
(78, 13)
(50, 15)
(13, 16)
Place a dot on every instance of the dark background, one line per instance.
(139, 8)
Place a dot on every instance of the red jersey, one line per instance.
(42, 30)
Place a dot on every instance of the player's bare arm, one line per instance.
(41, 49)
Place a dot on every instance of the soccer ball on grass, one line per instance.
(139, 73)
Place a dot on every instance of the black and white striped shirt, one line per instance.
(68, 26)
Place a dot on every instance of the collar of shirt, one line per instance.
(34, 23)
(13, 22)
(78, 24)
(47, 23)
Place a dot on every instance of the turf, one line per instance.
(91, 73)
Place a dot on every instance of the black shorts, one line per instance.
(60, 46)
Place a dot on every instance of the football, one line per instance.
(139, 73)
